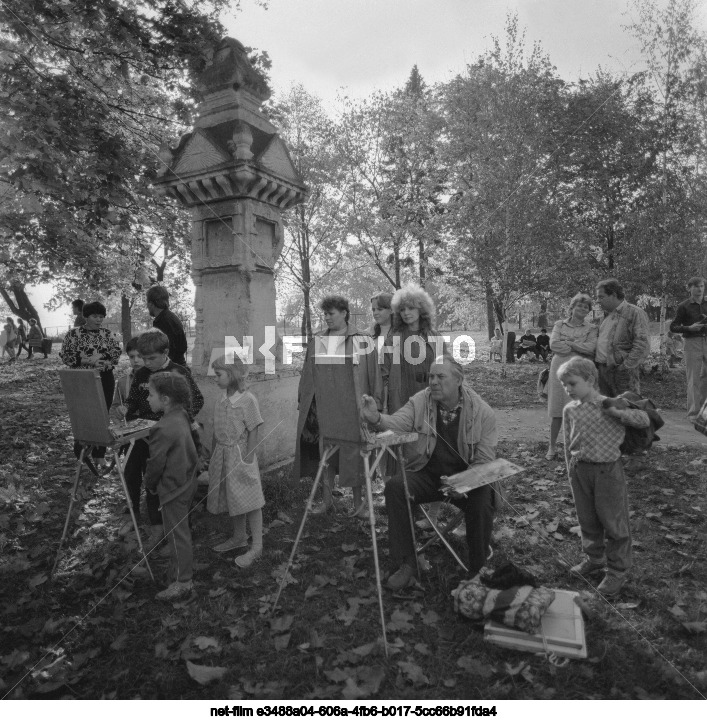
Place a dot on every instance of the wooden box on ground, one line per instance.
(562, 625)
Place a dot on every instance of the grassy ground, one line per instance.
(94, 631)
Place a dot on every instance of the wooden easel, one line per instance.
(90, 424)
(338, 412)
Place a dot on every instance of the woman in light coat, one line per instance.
(572, 336)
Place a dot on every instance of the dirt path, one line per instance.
(532, 424)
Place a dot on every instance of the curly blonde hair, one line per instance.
(412, 296)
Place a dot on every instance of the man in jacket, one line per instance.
(157, 299)
(623, 342)
(456, 429)
(691, 321)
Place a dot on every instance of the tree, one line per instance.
(501, 135)
(390, 144)
(91, 89)
(315, 230)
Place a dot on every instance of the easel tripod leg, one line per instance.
(131, 509)
(374, 542)
(401, 464)
(72, 500)
(328, 452)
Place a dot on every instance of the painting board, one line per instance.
(338, 398)
(86, 403)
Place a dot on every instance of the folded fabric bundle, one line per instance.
(520, 607)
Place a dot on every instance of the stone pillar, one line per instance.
(235, 174)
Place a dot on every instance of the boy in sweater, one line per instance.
(154, 349)
(594, 431)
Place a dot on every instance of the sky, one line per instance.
(355, 47)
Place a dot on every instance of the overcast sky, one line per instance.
(366, 45)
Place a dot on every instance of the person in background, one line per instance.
(381, 329)
(572, 336)
(510, 346)
(171, 474)
(542, 344)
(21, 338)
(406, 370)
(234, 476)
(496, 345)
(691, 321)
(157, 299)
(153, 346)
(623, 342)
(77, 310)
(34, 338)
(10, 331)
(91, 346)
(122, 386)
(528, 344)
(339, 338)
(594, 432)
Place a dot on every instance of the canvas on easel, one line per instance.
(86, 404)
(338, 395)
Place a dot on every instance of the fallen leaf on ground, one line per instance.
(205, 674)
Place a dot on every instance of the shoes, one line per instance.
(424, 525)
(587, 567)
(175, 591)
(402, 578)
(232, 544)
(360, 511)
(611, 584)
(249, 558)
(550, 455)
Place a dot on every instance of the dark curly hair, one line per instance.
(174, 386)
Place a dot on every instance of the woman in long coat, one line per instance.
(572, 336)
(339, 338)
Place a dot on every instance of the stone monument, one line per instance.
(235, 174)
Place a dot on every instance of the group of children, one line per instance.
(167, 463)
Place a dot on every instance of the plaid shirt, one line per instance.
(591, 435)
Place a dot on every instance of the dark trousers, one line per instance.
(601, 500)
(22, 347)
(134, 471)
(478, 506)
(522, 351)
(108, 384)
(178, 537)
(615, 380)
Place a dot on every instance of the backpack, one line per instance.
(638, 440)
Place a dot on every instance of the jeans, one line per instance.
(134, 471)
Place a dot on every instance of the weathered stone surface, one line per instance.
(235, 174)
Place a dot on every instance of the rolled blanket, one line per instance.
(520, 607)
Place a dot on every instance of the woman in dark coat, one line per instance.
(338, 338)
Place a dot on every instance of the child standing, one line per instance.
(171, 473)
(122, 386)
(153, 346)
(593, 435)
(234, 478)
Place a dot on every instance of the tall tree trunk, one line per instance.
(490, 317)
(610, 249)
(21, 305)
(396, 260)
(126, 321)
(423, 261)
(542, 318)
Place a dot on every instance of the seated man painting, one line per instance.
(528, 344)
(456, 429)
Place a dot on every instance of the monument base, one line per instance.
(277, 398)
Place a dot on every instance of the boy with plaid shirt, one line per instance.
(593, 434)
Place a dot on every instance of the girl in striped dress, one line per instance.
(234, 477)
